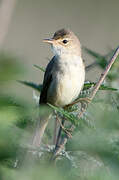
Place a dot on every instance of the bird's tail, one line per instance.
(39, 132)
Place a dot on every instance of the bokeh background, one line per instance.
(23, 26)
(95, 23)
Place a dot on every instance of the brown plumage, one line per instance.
(61, 34)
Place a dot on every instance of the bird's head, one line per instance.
(64, 42)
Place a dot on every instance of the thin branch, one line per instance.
(103, 75)
(91, 66)
(96, 88)
(6, 10)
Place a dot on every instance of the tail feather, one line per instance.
(39, 132)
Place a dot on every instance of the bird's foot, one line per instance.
(85, 100)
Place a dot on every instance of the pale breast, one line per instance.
(67, 83)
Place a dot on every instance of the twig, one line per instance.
(103, 75)
(6, 10)
(96, 88)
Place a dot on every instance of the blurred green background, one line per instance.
(93, 152)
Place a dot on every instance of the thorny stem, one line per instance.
(96, 88)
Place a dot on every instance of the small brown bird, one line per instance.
(64, 76)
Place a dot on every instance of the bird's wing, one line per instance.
(47, 81)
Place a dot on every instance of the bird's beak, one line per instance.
(50, 41)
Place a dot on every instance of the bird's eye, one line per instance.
(65, 41)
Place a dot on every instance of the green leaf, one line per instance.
(32, 85)
(88, 85)
(38, 67)
(71, 117)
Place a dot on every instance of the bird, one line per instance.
(64, 75)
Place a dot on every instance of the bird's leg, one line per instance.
(55, 127)
(85, 100)
(59, 132)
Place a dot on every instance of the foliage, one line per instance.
(93, 151)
